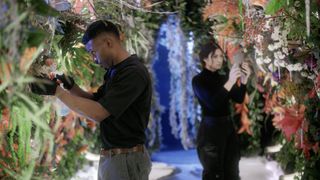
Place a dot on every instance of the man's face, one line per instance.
(100, 51)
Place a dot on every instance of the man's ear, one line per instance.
(109, 41)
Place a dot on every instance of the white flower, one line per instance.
(267, 60)
(298, 67)
(259, 38)
(279, 55)
(276, 29)
(276, 32)
(267, 26)
(281, 63)
(312, 77)
(277, 45)
(276, 62)
(276, 55)
(285, 50)
(259, 60)
(271, 47)
(274, 36)
(259, 52)
(305, 66)
(290, 67)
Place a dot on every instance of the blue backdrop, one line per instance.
(162, 74)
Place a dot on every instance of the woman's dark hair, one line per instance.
(206, 49)
(98, 27)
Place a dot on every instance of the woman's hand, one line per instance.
(234, 75)
(245, 72)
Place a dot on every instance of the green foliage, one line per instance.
(311, 168)
(274, 6)
(294, 12)
(71, 161)
(35, 37)
(290, 158)
(258, 118)
(27, 122)
(251, 144)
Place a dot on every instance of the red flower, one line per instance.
(5, 121)
(292, 120)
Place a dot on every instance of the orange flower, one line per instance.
(69, 120)
(82, 149)
(245, 121)
(261, 3)
(26, 58)
(5, 71)
(228, 9)
(270, 103)
(91, 124)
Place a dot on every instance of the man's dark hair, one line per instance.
(98, 27)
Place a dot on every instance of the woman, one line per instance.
(214, 86)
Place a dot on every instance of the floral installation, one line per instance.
(286, 52)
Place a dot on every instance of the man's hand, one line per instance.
(44, 86)
(67, 81)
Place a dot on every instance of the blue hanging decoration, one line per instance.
(154, 131)
(183, 109)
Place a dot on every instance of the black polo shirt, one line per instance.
(126, 94)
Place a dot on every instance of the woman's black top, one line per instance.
(213, 97)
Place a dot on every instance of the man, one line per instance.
(121, 105)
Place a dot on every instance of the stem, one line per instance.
(307, 3)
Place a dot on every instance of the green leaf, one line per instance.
(274, 6)
(27, 173)
(42, 8)
(36, 37)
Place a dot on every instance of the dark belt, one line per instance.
(116, 151)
